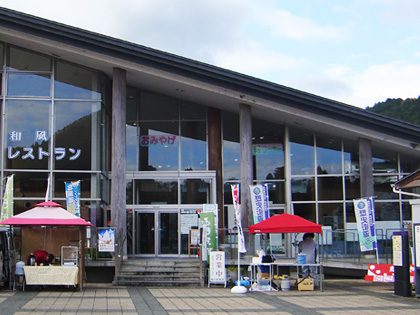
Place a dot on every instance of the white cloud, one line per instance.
(376, 83)
(242, 35)
(286, 24)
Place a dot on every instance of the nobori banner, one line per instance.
(259, 202)
(365, 218)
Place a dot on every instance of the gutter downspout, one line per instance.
(399, 191)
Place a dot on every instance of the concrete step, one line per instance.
(157, 269)
(168, 282)
(158, 279)
(157, 272)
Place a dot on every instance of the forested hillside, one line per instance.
(407, 110)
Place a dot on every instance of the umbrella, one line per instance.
(285, 223)
(46, 213)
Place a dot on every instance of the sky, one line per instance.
(358, 52)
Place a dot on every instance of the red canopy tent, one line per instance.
(285, 223)
(63, 228)
(46, 213)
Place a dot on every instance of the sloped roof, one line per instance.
(410, 181)
(207, 73)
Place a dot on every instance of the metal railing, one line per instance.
(341, 246)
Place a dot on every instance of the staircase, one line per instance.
(160, 272)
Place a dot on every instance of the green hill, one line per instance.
(407, 110)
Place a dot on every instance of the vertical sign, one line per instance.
(207, 222)
(212, 208)
(73, 197)
(397, 250)
(417, 244)
(217, 272)
(365, 218)
(238, 217)
(7, 206)
(259, 202)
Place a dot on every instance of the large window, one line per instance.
(28, 73)
(302, 152)
(154, 191)
(164, 134)
(27, 136)
(159, 145)
(77, 135)
(268, 151)
(74, 82)
(328, 156)
(50, 123)
(231, 147)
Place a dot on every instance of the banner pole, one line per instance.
(235, 198)
(47, 193)
(239, 259)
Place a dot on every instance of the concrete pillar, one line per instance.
(118, 183)
(245, 134)
(366, 168)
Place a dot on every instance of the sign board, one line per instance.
(416, 228)
(106, 239)
(384, 273)
(188, 218)
(397, 257)
(217, 270)
(195, 237)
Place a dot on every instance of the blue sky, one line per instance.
(355, 51)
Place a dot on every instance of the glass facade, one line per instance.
(164, 134)
(56, 124)
(324, 177)
(52, 127)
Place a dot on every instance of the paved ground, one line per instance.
(339, 297)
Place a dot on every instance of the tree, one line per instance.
(407, 110)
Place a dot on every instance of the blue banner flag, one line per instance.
(73, 197)
(365, 218)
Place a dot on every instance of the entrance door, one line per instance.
(156, 232)
(168, 233)
(144, 233)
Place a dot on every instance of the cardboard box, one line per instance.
(305, 284)
(265, 275)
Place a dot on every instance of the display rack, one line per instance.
(69, 256)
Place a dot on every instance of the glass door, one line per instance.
(168, 234)
(144, 233)
(155, 232)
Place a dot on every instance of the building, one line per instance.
(153, 136)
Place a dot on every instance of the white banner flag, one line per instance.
(7, 206)
(365, 218)
(238, 217)
(259, 202)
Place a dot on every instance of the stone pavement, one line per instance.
(339, 297)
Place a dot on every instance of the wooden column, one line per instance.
(245, 134)
(118, 183)
(215, 159)
(366, 168)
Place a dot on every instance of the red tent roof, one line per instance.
(285, 223)
(46, 213)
